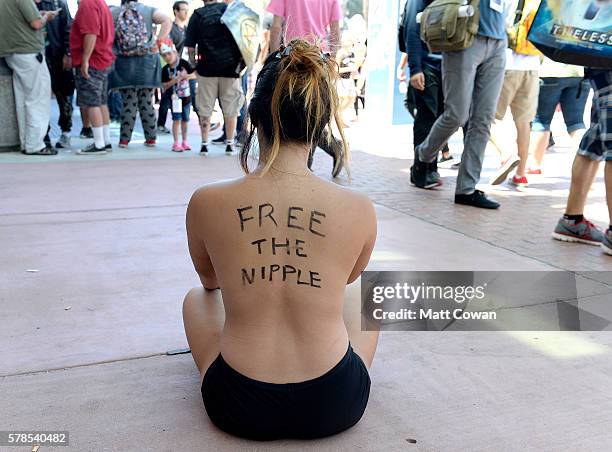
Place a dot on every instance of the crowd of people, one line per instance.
(118, 58)
(473, 89)
(121, 59)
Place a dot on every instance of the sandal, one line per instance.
(43, 151)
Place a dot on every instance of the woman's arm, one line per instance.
(160, 18)
(197, 249)
(369, 224)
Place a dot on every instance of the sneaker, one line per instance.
(86, 132)
(606, 243)
(109, 147)
(64, 141)
(91, 150)
(582, 232)
(502, 173)
(229, 148)
(186, 146)
(176, 147)
(150, 143)
(163, 129)
(520, 182)
(47, 150)
(123, 143)
(537, 171)
(422, 175)
(220, 140)
(476, 199)
(204, 149)
(446, 162)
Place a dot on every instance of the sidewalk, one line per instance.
(95, 266)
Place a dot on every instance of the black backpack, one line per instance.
(215, 42)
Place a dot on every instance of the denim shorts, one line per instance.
(571, 93)
(596, 143)
(184, 115)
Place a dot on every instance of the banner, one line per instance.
(244, 24)
(574, 32)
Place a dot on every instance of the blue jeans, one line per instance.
(184, 115)
(571, 93)
(115, 105)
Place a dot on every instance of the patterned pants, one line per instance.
(137, 101)
(596, 143)
(62, 85)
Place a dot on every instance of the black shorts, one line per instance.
(310, 409)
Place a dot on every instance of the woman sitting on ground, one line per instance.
(275, 332)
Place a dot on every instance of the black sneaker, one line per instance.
(86, 132)
(219, 140)
(422, 175)
(476, 199)
(204, 149)
(229, 149)
(91, 150)
(108, 147)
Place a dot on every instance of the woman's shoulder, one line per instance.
(215, 190)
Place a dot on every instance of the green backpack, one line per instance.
(443, 30)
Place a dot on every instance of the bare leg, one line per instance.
(522, 143)
(184, 128)
(204, 128)
(105, 115)
(175, 131)
(363, 342)
(95, 116)
(85, 118)
(204, 318)
(231, 122)
(584, 171)
(539, 144)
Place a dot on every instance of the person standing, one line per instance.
(91, 44)
(22, 46)
(520, 93)
(424, 98)
(313, 20)
(137, 71)
(57, 54)
(564, 85)
(317, 21)
(595, 146)
(472, 79)
(177, 35)
(218, 70)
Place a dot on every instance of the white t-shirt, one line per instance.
(519, 62)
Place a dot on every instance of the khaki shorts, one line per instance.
(227, 90)
(520, 93)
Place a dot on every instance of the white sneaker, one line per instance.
(64, 141)
(502, 173)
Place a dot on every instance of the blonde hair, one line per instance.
(295, 100)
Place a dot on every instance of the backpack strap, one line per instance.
(519, 12)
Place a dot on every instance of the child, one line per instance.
(175, 76)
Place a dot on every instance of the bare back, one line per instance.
(282, 248)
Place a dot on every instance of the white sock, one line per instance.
(106, 134)
(98, 133)
(230, 142)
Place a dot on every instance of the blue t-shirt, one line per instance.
(492, 24)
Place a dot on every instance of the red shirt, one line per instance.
(93, 17)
